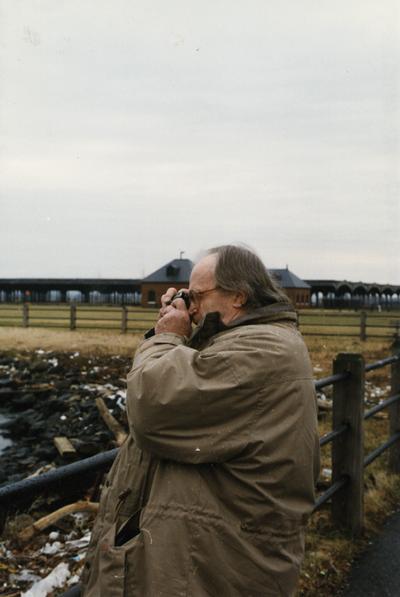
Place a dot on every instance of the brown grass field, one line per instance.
(329, 551)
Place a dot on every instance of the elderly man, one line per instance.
(210, 493)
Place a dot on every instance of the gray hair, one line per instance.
(240, 269)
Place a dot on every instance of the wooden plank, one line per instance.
(81, 506)
(348, 449)
(111, 422)
(64, 446)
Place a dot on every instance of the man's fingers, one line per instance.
(175, 320)
(164, 310)
(167, 297)
(179, 304)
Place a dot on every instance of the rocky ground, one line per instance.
(53, 394)
(44, 395)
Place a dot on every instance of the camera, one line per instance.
(182, 294)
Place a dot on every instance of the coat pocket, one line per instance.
(115, 548)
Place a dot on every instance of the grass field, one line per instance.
(329, 551)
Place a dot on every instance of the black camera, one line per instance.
(182, 294)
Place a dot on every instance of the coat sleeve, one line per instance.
(186, 405)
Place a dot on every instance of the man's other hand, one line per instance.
(173, 317)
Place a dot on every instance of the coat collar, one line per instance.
(211, 324)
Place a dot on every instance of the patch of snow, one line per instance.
(109, 386)
(82, 542)
(54, 535)
(121, 403)
(24, 576)
(51, 548)
(56, 579)
(73, 580)
(326, 472)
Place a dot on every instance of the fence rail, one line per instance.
(122, 319)
(130, 319)
(360, 325)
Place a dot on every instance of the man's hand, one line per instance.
(173, 317)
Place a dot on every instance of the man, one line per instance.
(210, 493)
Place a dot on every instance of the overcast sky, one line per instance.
(132, 130)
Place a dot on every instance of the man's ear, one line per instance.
(239, 300)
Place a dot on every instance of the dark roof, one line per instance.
(177, 270)
(287, 279)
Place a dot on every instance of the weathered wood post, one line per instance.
(124, 319)
(394, 410)
(363, 326)
(348, 448)
(72, 318)
(25, 315)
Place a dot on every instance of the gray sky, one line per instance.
(132, 130)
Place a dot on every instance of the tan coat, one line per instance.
(210, 493)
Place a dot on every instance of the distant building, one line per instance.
(297, 290)
(176, 273)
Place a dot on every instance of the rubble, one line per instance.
(48, 412)
(48, 395)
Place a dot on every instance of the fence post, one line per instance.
(124, 319)
(25, 315)
(348, 449)
(363, 326)
(72, 318)
(394, 410)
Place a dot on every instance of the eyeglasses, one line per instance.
(196, 295)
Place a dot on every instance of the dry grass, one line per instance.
(322, 350)
(84, 342)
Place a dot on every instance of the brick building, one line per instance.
(297, 290)
(176, 273)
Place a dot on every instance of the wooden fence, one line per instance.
(347, 436)
(122, 319)
(127, 319)
(352, 324)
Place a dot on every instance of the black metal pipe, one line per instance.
(327, 381)
(332, 379)
(382, 363)
(33, 485)
(375, 409)
(375, 453)
(328, 437)
(334, 488)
